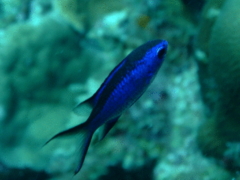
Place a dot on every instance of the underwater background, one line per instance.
(56, 53)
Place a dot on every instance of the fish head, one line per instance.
(156, 53)
(152, 56)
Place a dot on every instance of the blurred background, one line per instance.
(56, 53)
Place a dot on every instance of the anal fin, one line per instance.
(107, 127)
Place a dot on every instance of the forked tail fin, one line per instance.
(84, 134)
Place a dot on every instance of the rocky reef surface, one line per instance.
(55, 54)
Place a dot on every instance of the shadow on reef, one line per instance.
(7, 173)
(119, 173)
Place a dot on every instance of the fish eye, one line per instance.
(161, 52)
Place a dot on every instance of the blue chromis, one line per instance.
(121, 89)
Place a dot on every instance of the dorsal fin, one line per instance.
(84, 108)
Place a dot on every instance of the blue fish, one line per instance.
(121, 89)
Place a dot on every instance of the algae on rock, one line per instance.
(39, 58)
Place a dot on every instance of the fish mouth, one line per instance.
(161, 52)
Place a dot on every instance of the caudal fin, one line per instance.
(84, 136)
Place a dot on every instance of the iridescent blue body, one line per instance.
(127, 82)
(124, 85)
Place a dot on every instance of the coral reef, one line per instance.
(21, 173)
(221, 82)
(56, 53)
